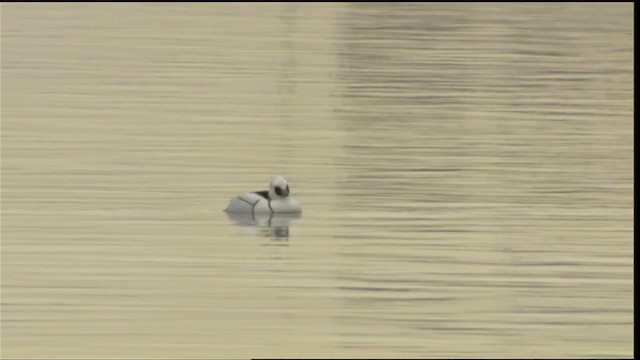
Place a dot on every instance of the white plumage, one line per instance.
(277, 200)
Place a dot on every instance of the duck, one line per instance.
(276, 200)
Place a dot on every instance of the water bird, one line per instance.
(276, 200)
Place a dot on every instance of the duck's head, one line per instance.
(279, 188)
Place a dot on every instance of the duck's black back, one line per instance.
(264, 194)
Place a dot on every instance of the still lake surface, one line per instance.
(465, 170)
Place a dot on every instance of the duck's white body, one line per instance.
(276, 200)
(254, 203)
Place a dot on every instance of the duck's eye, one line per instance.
(278, 191)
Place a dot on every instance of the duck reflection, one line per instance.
(275, 226)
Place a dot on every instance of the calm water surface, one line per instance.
(466, 172)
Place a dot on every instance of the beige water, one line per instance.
(466, 174)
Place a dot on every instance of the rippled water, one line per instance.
(466, 174)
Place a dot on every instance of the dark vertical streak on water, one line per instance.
(466, 174)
